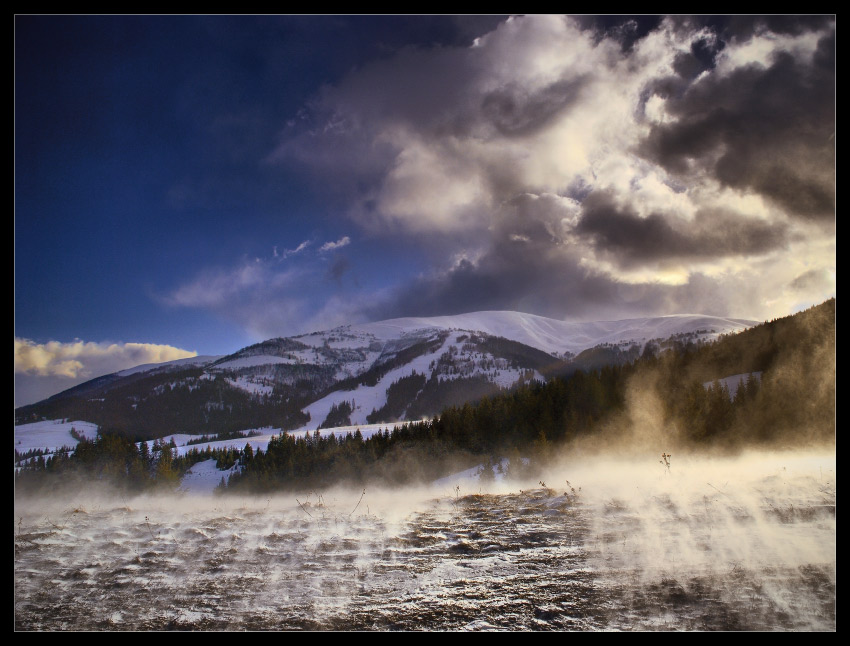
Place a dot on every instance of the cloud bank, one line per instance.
(592, 167)
(87, 359)
(42, 369)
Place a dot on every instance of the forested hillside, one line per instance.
(669, 399)
(791, 405)
(382, 372)
(148, 406)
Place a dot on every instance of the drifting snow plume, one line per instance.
(731, 544)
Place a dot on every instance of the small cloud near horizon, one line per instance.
(43, 369)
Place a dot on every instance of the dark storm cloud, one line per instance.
(536, 278)
(626, 30)
(513, 275)
(534, 218)
(338, 269)
(814, 278)
(743, 28)
(632, 239)
(515, 112)
(766, 129)
(702, 57)
(534, 262)
(590, 166)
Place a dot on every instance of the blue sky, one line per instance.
(193, 184)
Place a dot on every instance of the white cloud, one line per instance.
(451, 144)
(44, 369)
(88, 359)
(223, 287)
(331, 246)
(292, 252)
(452, 133)
(493, 154)
(761, 49)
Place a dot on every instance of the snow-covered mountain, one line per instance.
(559, 337)
(397, 369)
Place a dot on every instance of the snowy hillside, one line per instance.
(382, 372)
(352, 350)
(177, 363)
(52, 435)
(554, 336)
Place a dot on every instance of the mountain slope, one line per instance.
(376, 372)
(558, 337)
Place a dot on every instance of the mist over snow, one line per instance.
(725, 544)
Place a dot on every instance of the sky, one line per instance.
(193, 184)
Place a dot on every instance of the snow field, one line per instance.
(51, 434)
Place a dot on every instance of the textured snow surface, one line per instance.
(739, 544)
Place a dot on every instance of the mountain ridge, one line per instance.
(536, 330)
(360, 372)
